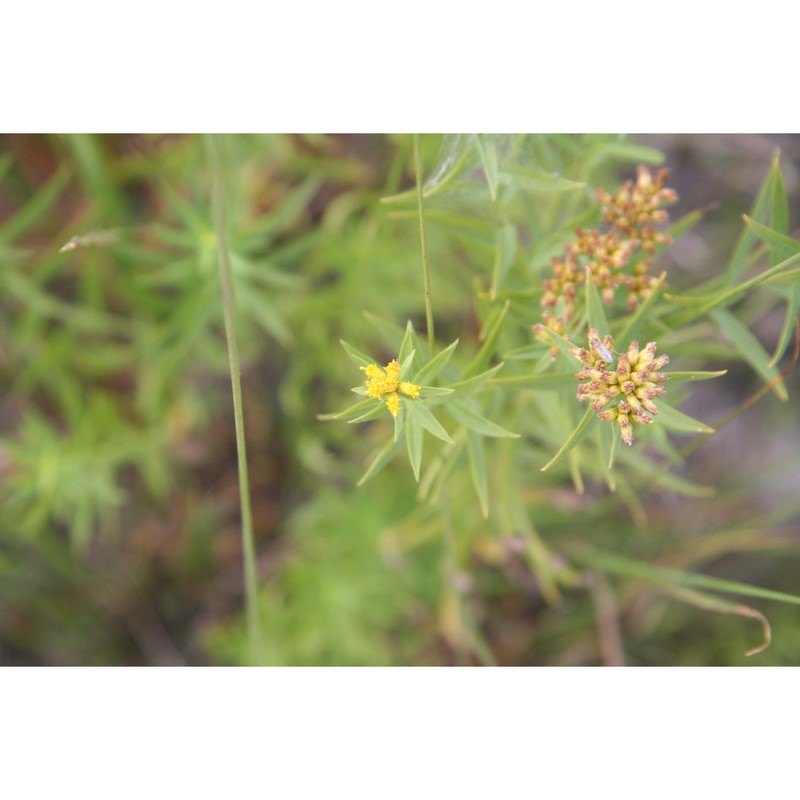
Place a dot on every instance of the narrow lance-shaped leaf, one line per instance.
(477, 468)
(749, 348)
(431, 370)
(627, 151)
(759, 212)
(650, 474)
(781, 246)
(631, 329)
(376, 411)
(708, 602)
(580, 430)
(399, 420)
(594, 306)
(789, 323)
(453, 155)
(631, 568)
(471, 385)
(780, 214)
(563, 344)
(422, 415)
(354, 411)
(358, 358)
(539, 381)
(414, 444)
(606, 441)
(408, 344)
(679, 422)
(476, 422)
(381, 460)
(536, 180)
(488, 153)
(697, 375)
(434, 391)
(487, 348)
(405, 365)
(476, 230)
(505, 250)
(35, 208)
(729, 295)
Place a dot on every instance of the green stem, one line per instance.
(226, 284)
(426, 275)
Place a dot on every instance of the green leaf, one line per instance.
(563, 345)
(679, 422)
(471, 385)
(35, 208)
(526, 352)
(760, 213)
(408, 344)
(381, 460)
(422, 414)
(488, 153)
(487, 348)
(631, 568)
(453, 155)
(474, 421)
(541, 381)
(405, 366)
(686, 377)
(780, 208)
(478, 230)
(505, 250)
(414, 445)
(626, 151)
(606, 447)
(359, 359)
(780, 244)
(432, 369)
(376, 411)
(477, 470)
(789, 322)
(535, 180)
(399, 419)
(749, 348)
(580, 430)
(594, 306)
(731, 294)
(390, 331)
(354, 411)
(293, 205)
(650, 474)
(434, 391)
(709, 602)
(631, 328)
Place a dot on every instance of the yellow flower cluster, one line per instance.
(634, 382)
(631, 214)
(385, 384)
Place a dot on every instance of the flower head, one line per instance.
(612, 256)
(636, 208)
(632, 386)
(385, 384)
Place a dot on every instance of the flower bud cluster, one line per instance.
(636, 208)
(632, 387)
(632, 215)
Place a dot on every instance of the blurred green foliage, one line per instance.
(119, 534)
